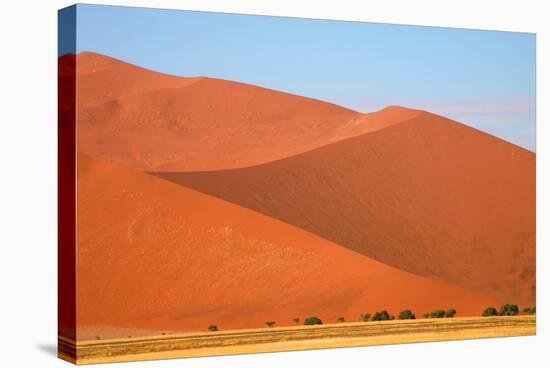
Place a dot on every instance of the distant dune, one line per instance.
(157, 122)
(102, 79)
(158, 256)
(427, 195)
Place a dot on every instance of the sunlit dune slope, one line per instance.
(154, 255)
(102, 79)
(427, 195)
(157, 122)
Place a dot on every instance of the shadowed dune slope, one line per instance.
(428, 195)
(157, 256)
(157, 122)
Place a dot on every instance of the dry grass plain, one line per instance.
(293, 338)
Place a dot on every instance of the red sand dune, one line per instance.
(158, 256)
(156, 122)
(102, 79)
(428, 195)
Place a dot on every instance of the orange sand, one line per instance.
(157, 122)
(343, 191)
(158, 256)
(426, 195)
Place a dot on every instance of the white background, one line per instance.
(28, 123)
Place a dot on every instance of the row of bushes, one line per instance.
(508, 310)
(406, 314)
(505, 310)
(440, 313)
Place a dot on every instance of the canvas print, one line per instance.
(234, 183)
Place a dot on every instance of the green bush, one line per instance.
(340, 319)
(364, 317)
(312, 321)
(270, 323)
(509, 310)
(213, 328)
(450, 313)
(406, 314)
(489, 312)
(438, 313)
(530, 310)
(381, 316)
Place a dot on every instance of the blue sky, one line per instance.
(485, 79)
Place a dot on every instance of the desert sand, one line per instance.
(159, 256)
(426, 195)
(203, 201)
(157, 122)
(294, 338)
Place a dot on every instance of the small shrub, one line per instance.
(364, 317)
(450, 313)
(213, 328)
(270, 323)
(97, 338)
(438, 313)
(530, 310)
(340, 319)
(426, 315)
(406, 314)
(489, 312)
(296, 320)
(381, 316)
(312, 321)
(509, 310)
